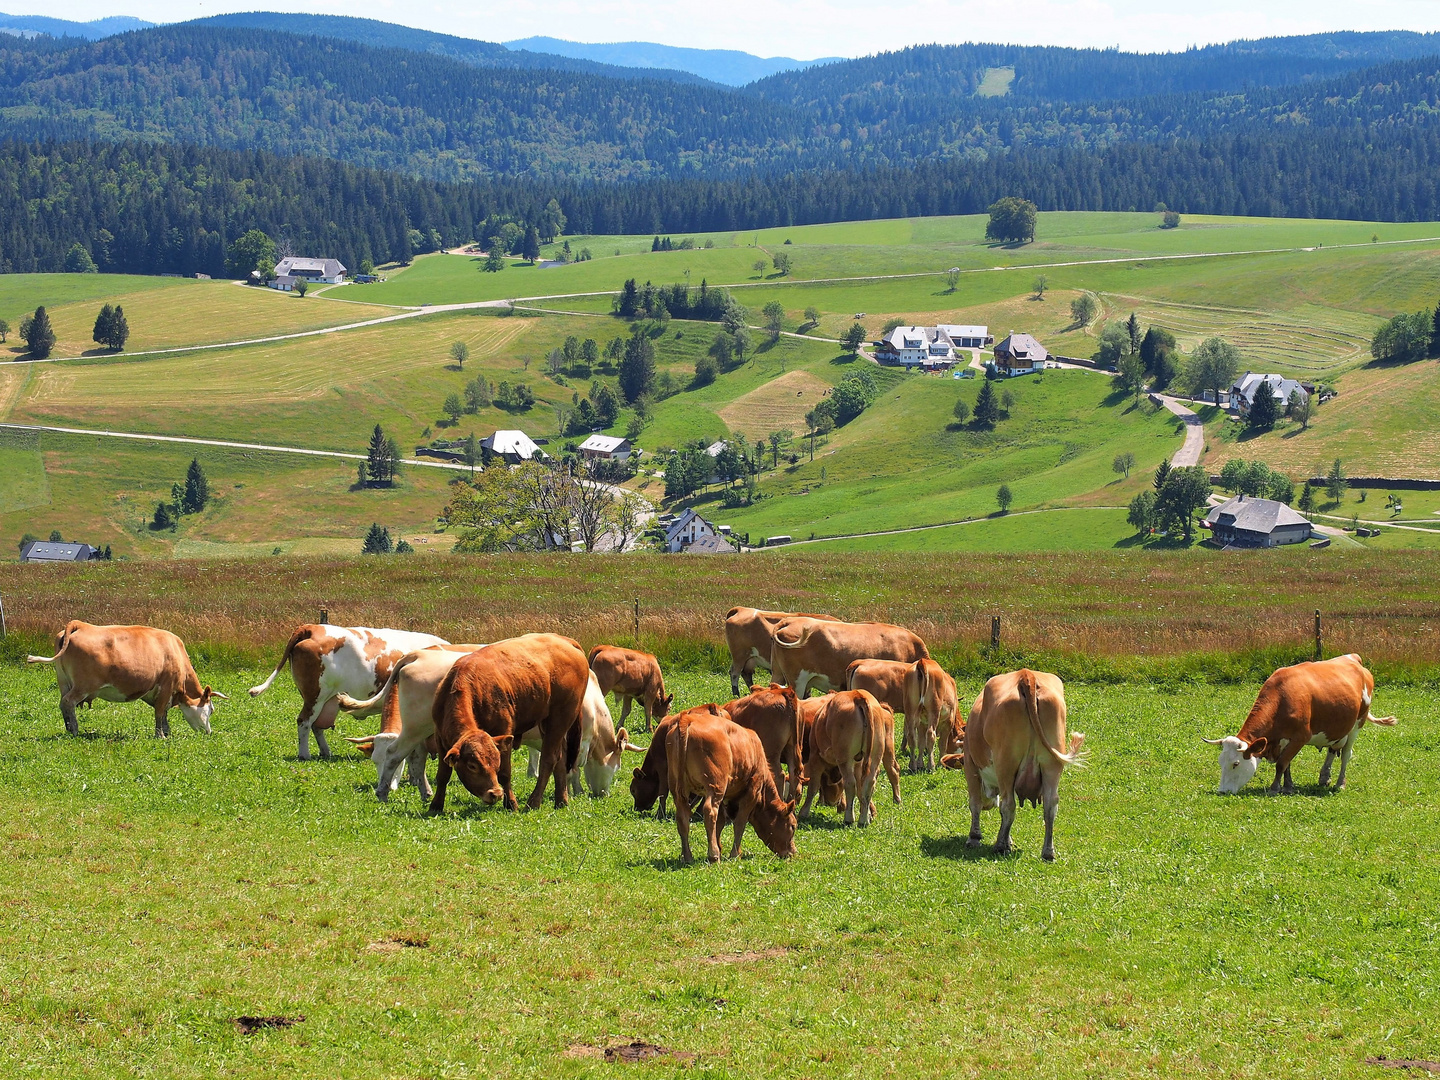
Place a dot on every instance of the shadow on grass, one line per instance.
(1262, 791)
(958, 848)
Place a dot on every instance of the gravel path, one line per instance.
(1189, 453)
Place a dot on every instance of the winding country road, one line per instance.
(1194, 446)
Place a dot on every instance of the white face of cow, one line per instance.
(1236, 770)
(199, 715)
(600, 773)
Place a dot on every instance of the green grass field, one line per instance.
(160, 890)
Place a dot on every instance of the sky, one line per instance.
(805, 29)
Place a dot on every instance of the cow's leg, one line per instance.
(865, 789)
(1050, 795)
(534, 769)
(742, 815)
(710, 808)
(811, 786)
(735, 672)
(802, 684)
(852, 786)
(503, 775)
(1325, 769)
(1345, 752)
(547, 766)
(682, 824)
(310, 712)
(415, 770)
(67, 713)
(892, 770)
(625, 702)
(442, 781)
(1007, 771)
(975, 789)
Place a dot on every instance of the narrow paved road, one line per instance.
(1189, 453)
(927, 528)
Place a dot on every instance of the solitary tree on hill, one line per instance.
(987, 408)
(1123, 463)
(532, 245)
(1004, 497)
(197, 489)
(460, 352)
(382, 460)
(1012, 220)
(39, 335)
(962, 410)
(377, 541)
(1082, 310)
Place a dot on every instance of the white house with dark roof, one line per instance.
(922, 346)
(606, 446)
(512, 446)
(1246, 521)
(1242, 394)
(315, 271)
(55, 551)
(688, 529)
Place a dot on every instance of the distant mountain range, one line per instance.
(93, 31)
(727, 66)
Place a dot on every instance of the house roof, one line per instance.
(1280, 386)
(676, 527)
(512, 441)
(1021, 347)
(710, 545)
(956, 331)
(51, 551)
(1250, 514)
(291, 263)
(715, 447)
(605, 444)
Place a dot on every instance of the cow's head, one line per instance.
(663, 703)
(645, 788)
(476, 760)
(199, 710)
(774, 820)
(1238, 761)
(600, 768)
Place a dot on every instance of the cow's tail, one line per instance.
(867, 734)
(1383, 721)
(62, 642)
(731, 613)
(590, 656)
(1030, 692)
(804, 637)
(572, 746)
(370, 706)
(301, 634)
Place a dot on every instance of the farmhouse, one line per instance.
(607, 447)
(967, 337)
(315, 271)
(512, 447)
(929, 347)
(688, 529)
(1250, 522)
(53, 551)
(1242, 394)
(1020, 354)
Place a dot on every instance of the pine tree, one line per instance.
(39, 335)
(987, 409)
(163, 518)
(378, 457)
(103, 323)
(377, 541)
(1162, 472)
(119, 330)
(197, 489)
(1263, 412)
(1435, 332)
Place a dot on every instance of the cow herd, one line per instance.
(746, 762)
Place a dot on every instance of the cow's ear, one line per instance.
(503, 743)
(1257, 748)
(790, 807)
(637, 772)
(453, 755)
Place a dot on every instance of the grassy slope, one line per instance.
(166, 888)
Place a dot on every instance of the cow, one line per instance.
(849, 732)
(128, 663)
(1322, 704)
(326, 661)
(774, 715)
(650, 782)
(601, 746)
(814, 654)
(490, 698)
(923, 691)
(1012, 752)
(631, 674)
(406, 704)
(724, 764)
(749, 632)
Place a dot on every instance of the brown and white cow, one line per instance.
(814, 654)
(923, 691)
(750, 632)
(774, 715)
(602, 748)
(406, 704)
(128, 663)
(650, 782)
(490, 698)
(850, 732)
(327, 661)
(722, 763)
(631, 674)
(1322, 704)
(1012, 751)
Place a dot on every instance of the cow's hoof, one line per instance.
(975, 841)
(1048, 856)
(1003, 849)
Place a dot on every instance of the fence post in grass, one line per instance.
(3, 631)
(994, 633)
(637, 621)
(1319, 641)
(324, 616)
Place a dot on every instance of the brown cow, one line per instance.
(850, 732)
(128, 663)
(650, 782)
(327, 661)
(631, 674)
(723, 763)
(813, 654)
(922, 691)
(749, 632)
(1012, 751)
(774, 715)
(491, 697)
(1322, 704)
(602, 748)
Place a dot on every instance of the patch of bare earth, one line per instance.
(781, 403)
(1404, 1063)
(627, 1053)
(249, 1025)
(396, 942)
(748, 956)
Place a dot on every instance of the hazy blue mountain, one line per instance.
(726, 66)
(467, 50)
(100, 28)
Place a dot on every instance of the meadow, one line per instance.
(161, 890)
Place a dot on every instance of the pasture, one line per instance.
(164, 889)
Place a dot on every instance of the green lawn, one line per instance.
(1064, 529)
(160, 890)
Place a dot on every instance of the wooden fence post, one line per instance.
(324, 616)
(994, 633)
(3, 631)
(1319, 640)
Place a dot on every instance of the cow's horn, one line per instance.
(218, 694)
(1212, 742)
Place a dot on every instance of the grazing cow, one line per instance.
(1322, 704)
(750, 632)
(774, 715)
(631, 674)
(724, 764)
(327, 661)
(490, 698)
(849, 732)
(1012, 741)
(601, 746)
(923, 691)
(407, 728)
(650, 782)
(128, 663)
(814, 654)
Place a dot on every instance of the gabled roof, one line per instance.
(1022, 346)
(954, 330)
(292, 263)
(679, 525)
(710, 545)
(1282, 387)
(605, 444)
(1250, 514)
(512, 441)
(54, 551)
(715, 447)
